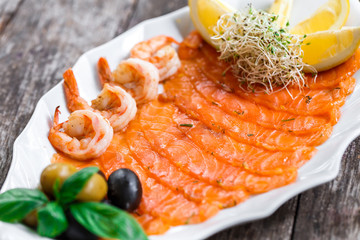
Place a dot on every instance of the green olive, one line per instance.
(31, 219)
(52, 172)
(94, 190)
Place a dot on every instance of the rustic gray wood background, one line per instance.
(39, 39)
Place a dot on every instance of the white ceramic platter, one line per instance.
(32, 150)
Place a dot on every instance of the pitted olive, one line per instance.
(56, 170)
(31, 219)
(94, 190)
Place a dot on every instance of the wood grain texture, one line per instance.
(39, 39)
(332, 211)
(149, 9)
(42, 40)
(278, 226)
(7, 11)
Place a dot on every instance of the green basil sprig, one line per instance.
(107, 221)
(51, 220)
(15, 204)
(101, 219)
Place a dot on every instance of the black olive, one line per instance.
(125, 189)
(75, 230)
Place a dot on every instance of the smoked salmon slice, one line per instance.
(174, 145)
(295, 101)
(157, 199)
(309, 101)
(170, 175)
(331, 78)
(302, 102)
(189, 101)
(324, 80)
(249, 111)
(253, 159)
(207, 144)
(151, 225)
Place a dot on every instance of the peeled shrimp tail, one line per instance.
(74, 101)
(104, 72)
(56, 115)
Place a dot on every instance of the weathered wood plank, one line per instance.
(43, 39)
(39, 39)
(332, 211)
(7, 11)
(277, 226)
(149, 9)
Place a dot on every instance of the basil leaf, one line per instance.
(15, 204)
(51, 220)
(75, 183)
(107, 221)
(56, 189)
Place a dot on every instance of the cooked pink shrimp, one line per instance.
(113, 102)
(85, 135)
(158, 51)
(137, 76)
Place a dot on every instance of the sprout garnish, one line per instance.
(260, 52)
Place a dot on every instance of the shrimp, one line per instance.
(85, 135)
(113, 102)
(138, 77)
(158, 51)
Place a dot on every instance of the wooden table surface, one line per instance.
(39, 39)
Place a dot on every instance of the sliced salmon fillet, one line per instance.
(249, 111)
(194, 49)
(171, 175)
(324, 80)
(210, 143)
(157, 200)
(305, 102)
(189, 101)
(253, 159)
(174, 145)
(301, 101)
(331, 78)
(189, 48)
(151, 225)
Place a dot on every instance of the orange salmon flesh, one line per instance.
(205, 144)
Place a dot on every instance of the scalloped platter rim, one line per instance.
(32, 150)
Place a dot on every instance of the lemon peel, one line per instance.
(327, 49)
(330, 16)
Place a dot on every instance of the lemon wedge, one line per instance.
(330, 16)
(327, 49)
(205, 14)
(283, 9)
